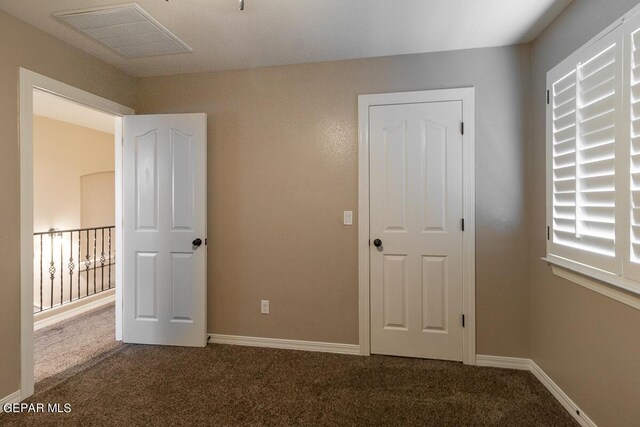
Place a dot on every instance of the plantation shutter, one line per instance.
(585, 104)
(632, 264)
(593, 157)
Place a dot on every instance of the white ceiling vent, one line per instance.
(126, 29)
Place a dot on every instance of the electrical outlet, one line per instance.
(264, 306)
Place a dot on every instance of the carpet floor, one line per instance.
(71, 346)
(229, 385)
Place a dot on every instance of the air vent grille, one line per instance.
(127, 29)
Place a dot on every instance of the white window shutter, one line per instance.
(585, 105)
(632, 262)
(596, 153)
(564, 157)
(593, 157)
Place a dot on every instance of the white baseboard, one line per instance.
(325, 347)
(554, 389)
(74, 308)
(503, 362)
(12, 398)
(561, 396)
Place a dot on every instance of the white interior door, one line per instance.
(416, 206)
(164, 216)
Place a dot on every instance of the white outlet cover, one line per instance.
(264, 306)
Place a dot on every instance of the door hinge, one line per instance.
(548, 233)
(548, 98)
(463, 321)
(462, 128)
(462, 224)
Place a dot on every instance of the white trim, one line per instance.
(14, 397)
(561, 396)
(325, 347)
(28, 82)
(503, 362)
(73, 309)
(613, 279)
(467, 96)
(529, 365)
(632, 299)
(363, 227)
(118, 220)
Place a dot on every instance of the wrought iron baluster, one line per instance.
(87, 262)
(114, 253)
(41, 259)
(52, 269)
(61, 269)
(95, 231)
(110, 259)
(102, 260)
(71, 267)
(79, 261)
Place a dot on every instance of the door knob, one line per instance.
(197, 242)
(377, 243)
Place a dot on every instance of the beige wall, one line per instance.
(586, 342)
(98, 199)
(62, 154)
(22, 45)
(283, 166)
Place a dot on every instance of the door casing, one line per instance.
(467, 96)
(29, 81)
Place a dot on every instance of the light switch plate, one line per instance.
(348, 218)
(264, 306)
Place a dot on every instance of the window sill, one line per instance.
(607, 284)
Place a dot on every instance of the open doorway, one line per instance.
(74, 235)
(70, 187)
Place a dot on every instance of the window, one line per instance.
(593, 157)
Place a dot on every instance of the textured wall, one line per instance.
(21, 45)
(586, 342)
(283, 167)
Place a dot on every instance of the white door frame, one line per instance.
(28, 82)
(467, 96)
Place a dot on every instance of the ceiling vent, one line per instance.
(127, 29)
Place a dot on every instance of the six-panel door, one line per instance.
(416, 211)
(164, 190)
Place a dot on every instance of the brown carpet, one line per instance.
(229, 385)
(71, 346)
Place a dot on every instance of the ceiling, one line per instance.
(278, 32)
(57, 108)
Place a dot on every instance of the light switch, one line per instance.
(348, 218)
(264, 306)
